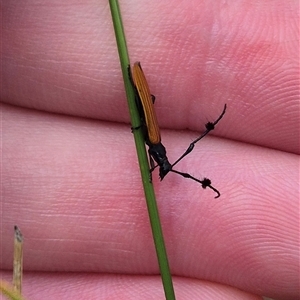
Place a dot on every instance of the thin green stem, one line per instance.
(142, 155)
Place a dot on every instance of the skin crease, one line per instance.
(70, 178)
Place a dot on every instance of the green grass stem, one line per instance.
(142, 155)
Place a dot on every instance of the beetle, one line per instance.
(157, 151)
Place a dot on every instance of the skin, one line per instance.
(70, 178)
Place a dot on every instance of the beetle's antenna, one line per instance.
(204, 183)
(209, 127)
